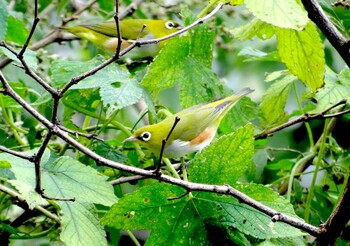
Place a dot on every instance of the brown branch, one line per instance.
(137, 43)
(336, 222)
(20, 198)
(118, 32)
(35, 22)
(304, 118)
(307, 161)
(223, 189)
(338, 41)
(15, 153)
(164, 141)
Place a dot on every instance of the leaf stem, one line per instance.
(307, 125)
(133, 238)
(294, 171)
(314, 177)
(171, 168)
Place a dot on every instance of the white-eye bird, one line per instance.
(104, 35)
(195, 130)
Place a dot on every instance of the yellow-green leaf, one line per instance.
(280, 13)
(303, 54)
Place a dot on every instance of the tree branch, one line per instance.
(223, 189)
(336, 222)
(338, 41)
(304, 118)
(22, 199)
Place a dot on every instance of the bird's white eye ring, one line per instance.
(146, 136)
(169, 25)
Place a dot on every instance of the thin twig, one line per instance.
(85, 135)
(338, 41)
(337, 220)
(137, 43)
(37, 159)
(304, 118)
(22, 199)
(119, 34)
(57, 198)
(122, 180)
(35, 22)
(164, 141)
(28, 70)
(15, 153)
(77, 13)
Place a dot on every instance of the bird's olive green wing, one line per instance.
(193, 122)
(131, 29)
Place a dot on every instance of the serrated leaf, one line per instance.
(28, 191)
(116, 87)
(66, 177)
(280, 13)
(274, 101)
(189, 220)
(16, 31)
(225, 160)
(3, 19)
(116, 98)
(303, 54)
(186, 61)
(63, 71)
(329, 95)
(8, 102)
(105, 150)
(29, 56)
(80, 225)
(256, 27)
(253, 54)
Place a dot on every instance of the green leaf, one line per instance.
(117, 88)
(29, 56)
(16, 31)
(190, 220)
(3, 19)
(186, 61)
(225, 160)
(107, 151)
(68, 178)
(257, 55)
(116, 98)
(106, 5)
(274, 101)
(329, 95)
(8, 102)
(241, 114)
(28, 191)
(5, 164)
(254, 28)
(289, 241)
(280, 13)
(303, 54)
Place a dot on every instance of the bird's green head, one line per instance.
(150, 136)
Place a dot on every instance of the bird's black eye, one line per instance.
(169, 25)
(146, 136)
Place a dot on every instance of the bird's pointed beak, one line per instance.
(130, 139)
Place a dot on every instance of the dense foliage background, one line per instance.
(66, 106)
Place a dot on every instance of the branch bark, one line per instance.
(338, 41)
